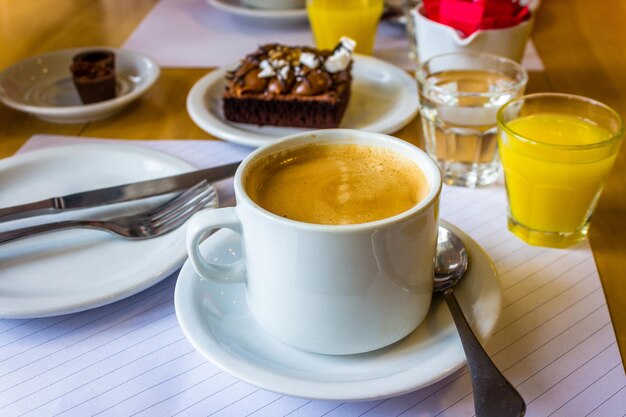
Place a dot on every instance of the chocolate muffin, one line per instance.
(94, 75)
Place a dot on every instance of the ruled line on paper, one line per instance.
(550, 361)
(537, 356)
(274, 406)
(548, 259)
(561, 369)
(32, 333)
(465, 401)
(256, 410)
(230, 405)
(213, 404)
(130, 357)
(526, 304)
(172, 366)
(130, 346)
(576, 379)
(579, 405)
(145, 371)
(71, 385)
(110, 309)
(76, 388)
(509, 288)
(124, 309)
(10, 324)
(35, 329)
(496, 345)
(71, 390)
(495, 357)
(619, 394)
(494, 243)
(218, 395)
(75, 343)
(9, 327)
(475, 208)
(165, 399)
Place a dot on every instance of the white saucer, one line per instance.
(384, 99)
(216, 320)
(77, 269)
(237, 8)
(42, 85)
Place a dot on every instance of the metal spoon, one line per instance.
(494, 396)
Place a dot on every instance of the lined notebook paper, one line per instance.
(554, 341)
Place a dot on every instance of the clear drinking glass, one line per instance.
(409, 8)
(459, 96)
(557, 151)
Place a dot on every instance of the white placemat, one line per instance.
(554, 341)
(191, 33)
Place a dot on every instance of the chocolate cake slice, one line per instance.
(94, 75)
(290, 86)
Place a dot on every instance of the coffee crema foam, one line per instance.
(336, 184)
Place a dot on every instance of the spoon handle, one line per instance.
(494, 396)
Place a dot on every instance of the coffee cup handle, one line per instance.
(199, 228)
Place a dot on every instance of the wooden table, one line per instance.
(579, 42)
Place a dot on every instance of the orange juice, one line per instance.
(555, 167)
(357, 19)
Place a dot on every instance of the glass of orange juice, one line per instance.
(356, 19)
(557, 151)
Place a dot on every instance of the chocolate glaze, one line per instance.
(279, 85)
(300, 80)
(313, 82)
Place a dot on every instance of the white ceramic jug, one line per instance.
(434, 38)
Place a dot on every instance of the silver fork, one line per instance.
(153, 223)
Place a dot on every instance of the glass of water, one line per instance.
(409, 9)
(459, 95)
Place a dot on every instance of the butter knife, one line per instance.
(117, 194)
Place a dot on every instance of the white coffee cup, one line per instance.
(275, 4)
(333, 289)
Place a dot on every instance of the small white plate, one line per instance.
(216, 320)
(43, 86)
(77, 269)
(237, 8)
(384, 99)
